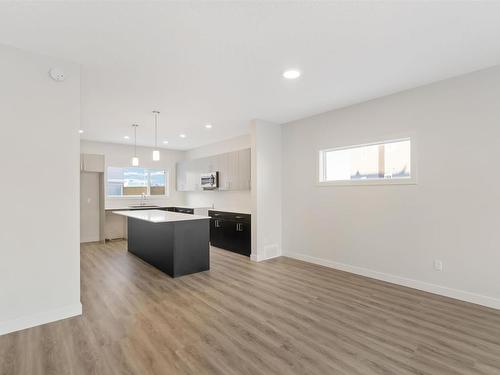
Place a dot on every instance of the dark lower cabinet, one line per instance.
(230, 231)
(216, 232)
(184, 210)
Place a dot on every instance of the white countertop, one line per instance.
(159, 216)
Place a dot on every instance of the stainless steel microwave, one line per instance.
(210, 180)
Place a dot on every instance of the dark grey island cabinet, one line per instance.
(175, 243)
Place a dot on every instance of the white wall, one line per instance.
(266, 190)
(228, 145)
(396, 232)
(118, 155)
(39, 220)
(89, 207)
(238, 201)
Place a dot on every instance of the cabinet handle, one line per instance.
(239, 227)
(217, 225)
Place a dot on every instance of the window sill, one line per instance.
(409, 181)
(111, 197)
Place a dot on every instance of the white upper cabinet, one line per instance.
(181, 176)
(224, 173)
(91, 163)
(244, 169)
(233, 168)
(188, 174)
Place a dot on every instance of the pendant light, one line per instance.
(135, 159)
(156, 152)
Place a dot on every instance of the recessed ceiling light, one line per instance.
(291, 74)
(208, 126)
(126, 137)
(182, 135)
(80, 131)
(165, 142)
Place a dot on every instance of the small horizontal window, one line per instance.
(132, 181)
(390, 160)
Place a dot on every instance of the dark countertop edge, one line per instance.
(229, 212)
(150, 208)
(137, 208)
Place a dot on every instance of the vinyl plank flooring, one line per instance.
(282, 316)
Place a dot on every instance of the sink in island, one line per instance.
(175, 243)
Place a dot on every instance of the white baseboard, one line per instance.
(267, 252)
(257, 258)
(411, 283)
(40, 318)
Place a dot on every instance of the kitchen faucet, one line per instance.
(143, 199)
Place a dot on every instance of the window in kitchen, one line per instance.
(383, 162)
(134, 181)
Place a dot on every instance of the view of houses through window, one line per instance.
(386, 160)
(130, 181)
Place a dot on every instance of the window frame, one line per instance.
(412, 180)
(167, 185)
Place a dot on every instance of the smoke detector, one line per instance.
(57, 74)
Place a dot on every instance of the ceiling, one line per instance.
(222, 62)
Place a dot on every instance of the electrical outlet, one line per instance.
(438, 265)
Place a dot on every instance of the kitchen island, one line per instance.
(175, 243)
(115, 226)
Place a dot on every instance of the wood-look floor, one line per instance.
(277, 317)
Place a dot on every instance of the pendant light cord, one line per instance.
(135, 139)
(157, 114)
